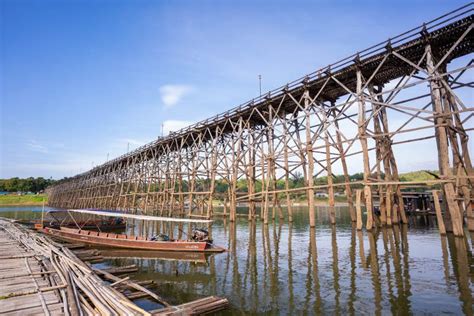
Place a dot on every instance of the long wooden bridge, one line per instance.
(358, 113)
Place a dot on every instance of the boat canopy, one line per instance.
(142, 217)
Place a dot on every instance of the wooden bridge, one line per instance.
(357, 113)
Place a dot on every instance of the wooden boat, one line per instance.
(128, 241)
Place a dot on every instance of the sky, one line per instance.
(83, 81)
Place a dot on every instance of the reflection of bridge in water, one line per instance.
(280, 268)
(419, 82)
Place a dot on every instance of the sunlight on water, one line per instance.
(291, 269)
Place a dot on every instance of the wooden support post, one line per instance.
(348, 188)
(332, 215)
(442, 144)
(212, 185)
(225, 206)
(272, 167)
(191, 181)
(359, 209)
(287, 171)
(365, 152)
(368, 206)
(465, 164)
(379, 155)
(388, 201)
(263, 184)
(439, 216)
(309, 157)
(251, 175)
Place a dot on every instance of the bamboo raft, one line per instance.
(41, 277)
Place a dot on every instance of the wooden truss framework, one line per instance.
(305, 128)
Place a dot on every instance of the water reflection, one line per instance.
(460, 258)
(283, 268)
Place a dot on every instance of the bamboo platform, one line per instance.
(39, 276)
(26, 287)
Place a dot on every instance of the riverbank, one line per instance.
(26, 200)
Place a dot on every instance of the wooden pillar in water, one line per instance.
(272, 167)
(442, 144)
(263, 195)
(389, 162)
(225, 205)
(309, 157)
(359, 209)
(365, 152)
(388, 205)
(332, 215)
(287, 171)
(461, 152)
(342, 154)
(251, 176)
(265, 186)
(233, 184)
(180, 185)
(270, 162)
(212, 185)
(439, 216)
(380, 155)
(236, 149)
(191, 180)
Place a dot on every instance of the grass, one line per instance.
(7, 200)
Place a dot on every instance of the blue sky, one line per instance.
(83, 79)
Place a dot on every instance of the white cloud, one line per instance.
(172, 94)
(174, 125)
(33, 145)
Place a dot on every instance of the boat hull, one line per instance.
(127, 241)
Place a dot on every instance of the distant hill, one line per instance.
(421, 175)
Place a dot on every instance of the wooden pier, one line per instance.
(39, 276)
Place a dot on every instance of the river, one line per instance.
(291, 269)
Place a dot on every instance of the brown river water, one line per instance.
(291, 269)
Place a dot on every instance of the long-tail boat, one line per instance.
(199, 242)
